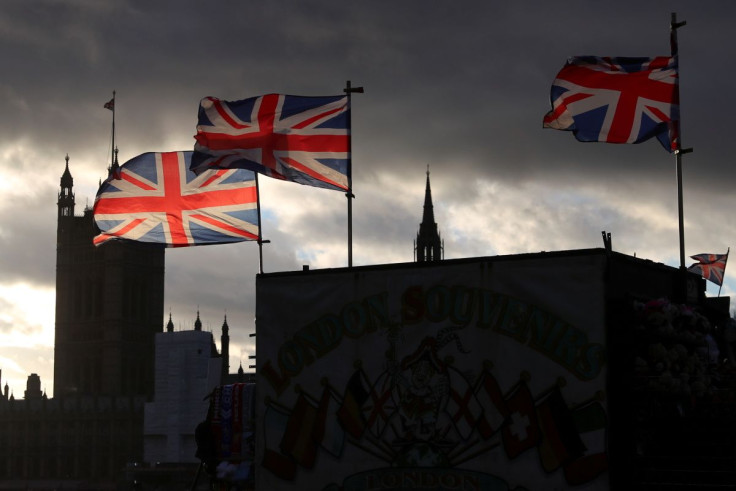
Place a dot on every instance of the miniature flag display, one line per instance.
(157, 199)
(294, 138)
(617, 100)
(712, 267)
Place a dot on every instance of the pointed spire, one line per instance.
(428, 216)
(67, 181)
(170, 324)
(428, 245)
(225, 348)
(198, 323)
(66, 196)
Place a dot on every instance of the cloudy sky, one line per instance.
(459, 86)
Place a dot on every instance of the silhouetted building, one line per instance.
(109, 305)
(187, 370)
(76, 442)
(33, 387)
(428, 245)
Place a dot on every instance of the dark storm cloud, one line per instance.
(466, 84)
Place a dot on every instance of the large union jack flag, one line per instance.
(711, 266)
(294, 138)
(617, 100)
(157, 199)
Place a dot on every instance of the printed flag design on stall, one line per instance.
(157, 199)
(560, 441)
(521, 430)
(294, 138)
(327, 430)
(590, 421)
(350, 413)
(275, 423)
(463, 405)
(493, 403)
(712, 267)
(299, 440)
(617, 100)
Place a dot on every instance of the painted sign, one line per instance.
(465, 375)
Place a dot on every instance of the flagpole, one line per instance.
(349, 194)
(112, 153)
(260, 235)
(679, 151)
(724, 272)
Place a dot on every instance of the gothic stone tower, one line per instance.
(428, 245)
(109, 305)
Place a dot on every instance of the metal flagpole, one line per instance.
(679, 151)
(724, 272)
(112, 154)
(349, 194)
(260, 235)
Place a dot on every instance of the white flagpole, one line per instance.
(349, 194)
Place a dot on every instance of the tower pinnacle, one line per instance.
(428, 245)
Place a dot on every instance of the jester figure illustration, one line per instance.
(427, 410)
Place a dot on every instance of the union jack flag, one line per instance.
(617, 100)
(156, 198)
(294, 138)
(711, 266)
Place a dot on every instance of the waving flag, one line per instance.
(711, 266)
(617, 100)
(158, 199)
(299, 139)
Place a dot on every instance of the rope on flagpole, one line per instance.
(349, 194)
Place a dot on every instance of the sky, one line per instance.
(459, 87)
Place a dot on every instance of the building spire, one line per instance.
(114, 170)
(225, 349)
(428, 245)
(198, 323)
(170, 324)
(66, 195)
(428, 216)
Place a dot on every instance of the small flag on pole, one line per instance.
(294, 138)
(158, 199)
(617, 100)
(110, 104)
(712, 267)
